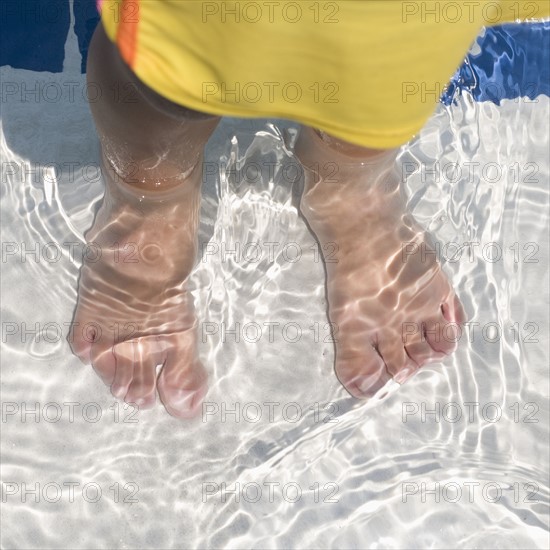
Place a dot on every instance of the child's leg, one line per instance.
(392, 307)
(133, 309)
(150, 141)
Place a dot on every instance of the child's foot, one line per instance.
(133, 310)
(392, 307)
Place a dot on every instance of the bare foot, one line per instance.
(392, 307)
(133, 310)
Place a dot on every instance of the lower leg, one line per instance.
(133, 310)
(389, 300)
(147, 141)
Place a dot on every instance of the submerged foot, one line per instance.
(392, 307)
(134, 311)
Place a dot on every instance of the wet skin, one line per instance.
(391, 305)
(146, 228)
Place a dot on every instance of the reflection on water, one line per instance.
(282, 456)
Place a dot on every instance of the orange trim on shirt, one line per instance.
(127, 30)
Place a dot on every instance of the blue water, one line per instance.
(512, 62)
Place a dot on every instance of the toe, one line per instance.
(419, 350)
(441, 334)
(453, 311)
(398, 363)
(181, 402)
(362, 374)
(125, 359)
(182, 383)
(142, 388)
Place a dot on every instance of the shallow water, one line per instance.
(281, 456)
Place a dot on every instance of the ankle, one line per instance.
(331, 160)
(148, 189)
(345, 149)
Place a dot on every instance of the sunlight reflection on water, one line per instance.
(311, 466)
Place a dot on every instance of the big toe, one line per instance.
(453, 310)
(180, 402)
(438, 335)
(182, 384)
(135, 378)
(362, 374)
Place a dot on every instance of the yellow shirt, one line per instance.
(367, 71)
